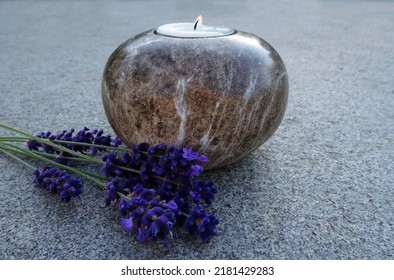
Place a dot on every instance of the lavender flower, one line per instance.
(191, 156)
(204, 190)
(59, 182)
(85, 136)
(114, 187)
(112, 164)
(202, 224)
(153, 218)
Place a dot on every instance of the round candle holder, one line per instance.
(224, 95)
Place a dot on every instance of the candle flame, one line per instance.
(198, 20)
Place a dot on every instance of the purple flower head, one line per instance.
(124, 207)
(171, 205)
(116, 187)
(191, 156)
(196, 170)
(154, 229)
(127, 224)
(97, 138)
(206, 189)
(33, 145)
(143, 147)
(59, 182)
(202, 224)
(151, 215)
(113, 164)
(157, 150)
(195, 196)
(160, 226)
(141, 236)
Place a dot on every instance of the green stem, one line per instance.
(139, 172)
(104, 179)
(23, 139)
(128, 169)
(90, 145)
(16, 158)
(54, 156)
(13, 139)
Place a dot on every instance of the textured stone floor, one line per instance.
(321, 188)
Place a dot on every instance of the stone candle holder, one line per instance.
(224, 95)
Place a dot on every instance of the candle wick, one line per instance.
(195, 24)
(199, 18)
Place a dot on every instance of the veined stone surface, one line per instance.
(225, 96)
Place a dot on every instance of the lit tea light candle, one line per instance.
(190, 30)
(222, 91)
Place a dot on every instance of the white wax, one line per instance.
(187, 30)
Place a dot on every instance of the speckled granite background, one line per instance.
(321, 188)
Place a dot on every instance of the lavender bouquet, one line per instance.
(155, 188)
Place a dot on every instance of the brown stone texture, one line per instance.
(225, 96)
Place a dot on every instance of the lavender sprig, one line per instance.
(84, 141)
(54, 180)
(59, 182)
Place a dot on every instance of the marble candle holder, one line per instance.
(223, 95)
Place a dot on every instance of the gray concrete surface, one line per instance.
(321, 188)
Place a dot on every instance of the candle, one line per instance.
(193, 30)
(222, 91)
(187, 30)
